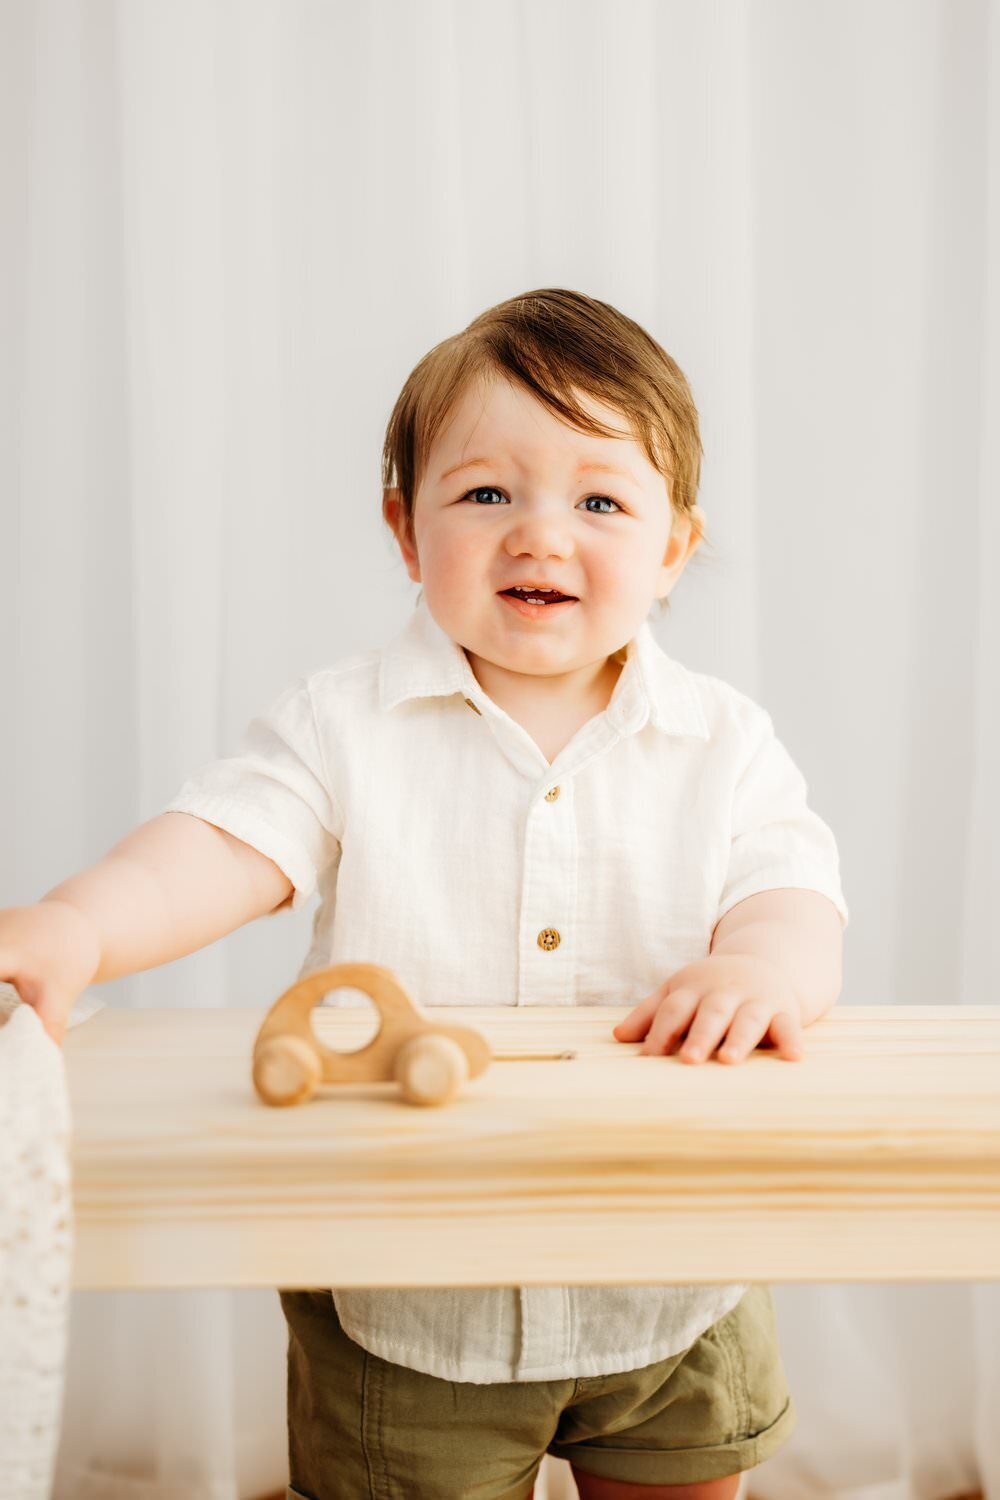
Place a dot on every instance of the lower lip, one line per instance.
(537, 611)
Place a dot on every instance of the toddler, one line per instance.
(520, 800)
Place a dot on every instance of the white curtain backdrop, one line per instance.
(227, 233)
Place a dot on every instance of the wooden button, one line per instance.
(548, 938)
(552, 794)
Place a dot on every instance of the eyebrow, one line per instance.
(587, 466)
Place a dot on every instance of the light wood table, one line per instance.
(876, 1157)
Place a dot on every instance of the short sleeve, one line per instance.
(776, 838)
(274, 793)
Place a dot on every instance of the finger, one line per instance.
(636, 1023)
(749, 1027)
(710, 1024)
(670, 1022)
(786, 1031)
(50, 1007)
(54, 1024)
(756, 1025)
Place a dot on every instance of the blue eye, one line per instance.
(489, 489)
(485, 489)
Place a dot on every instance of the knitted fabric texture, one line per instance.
(36, 1230)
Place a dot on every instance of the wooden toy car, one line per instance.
(430, 1061)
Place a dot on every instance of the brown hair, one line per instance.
(553, 342)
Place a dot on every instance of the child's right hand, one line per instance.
(49, 952)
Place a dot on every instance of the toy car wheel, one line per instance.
(286, 1070)
(431, 1068)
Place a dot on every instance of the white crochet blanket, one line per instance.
(36, 1243)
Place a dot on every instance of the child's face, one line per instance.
(532, 514)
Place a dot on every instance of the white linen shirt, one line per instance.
(443, 844)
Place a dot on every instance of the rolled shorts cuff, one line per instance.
(680, 1465)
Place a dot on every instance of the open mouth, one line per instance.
(538, 596)
(534, 603)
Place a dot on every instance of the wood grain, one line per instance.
(876, 1157)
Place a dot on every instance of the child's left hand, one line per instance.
(727, 995)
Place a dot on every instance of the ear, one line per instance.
(394, 515)
(681, 545)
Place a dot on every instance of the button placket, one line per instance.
(545, 1328)
(547, 963)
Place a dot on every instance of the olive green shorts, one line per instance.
(361, 1428)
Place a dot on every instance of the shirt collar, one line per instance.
(422, 661)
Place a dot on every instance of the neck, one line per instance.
(559, 696)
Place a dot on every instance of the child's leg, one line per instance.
(686, 1427)
(360, 1426)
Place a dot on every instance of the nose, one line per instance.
(539, 533)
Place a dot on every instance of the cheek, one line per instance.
(453, 562)
(622, 569)
(624, 579)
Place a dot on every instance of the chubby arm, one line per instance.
(171, 886)
(774, 967)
